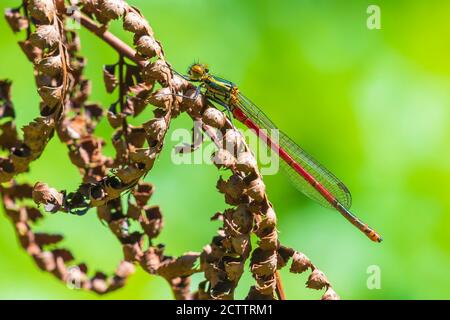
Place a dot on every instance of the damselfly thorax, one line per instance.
(221, 91)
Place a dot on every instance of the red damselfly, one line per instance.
(307, 174)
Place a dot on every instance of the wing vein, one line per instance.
(318, 171)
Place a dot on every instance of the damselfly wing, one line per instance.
(299, 155)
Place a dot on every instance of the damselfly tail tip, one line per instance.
(374, 236)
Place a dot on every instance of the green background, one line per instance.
(372, 105)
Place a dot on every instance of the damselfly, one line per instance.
(307, 174)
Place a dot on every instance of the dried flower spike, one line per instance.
(317, 280)
(112, 9)
(52, 49)
(42, 10)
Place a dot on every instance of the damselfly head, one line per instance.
(198, 71)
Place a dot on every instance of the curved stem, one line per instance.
(124, 50)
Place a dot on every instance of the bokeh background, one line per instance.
(372, 105)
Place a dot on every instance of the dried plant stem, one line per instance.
(212, 134)
(85, 153)
(65, 91)
(125, 50)
(280, 290)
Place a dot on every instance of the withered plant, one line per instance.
(141, 78)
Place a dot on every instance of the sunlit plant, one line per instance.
(142, 78)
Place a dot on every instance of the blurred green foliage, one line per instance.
(372, 105)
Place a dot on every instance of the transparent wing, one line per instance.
(312, 166)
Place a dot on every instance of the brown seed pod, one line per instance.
(125, 269)
(60, 270)
(269, 241)
(215, 251)
(256, 190)
(132, 252)
(44, 239)
(16, 21)
(112, 9)
(179, 83)
(152, 222)
(242, 218)
(233, 187)
(43, 80)
(119, 227)
(147, 46)
(230, 227)
(99, 285)
(162, 98)
(330, 294)
(233, 142)
(182, 266)
(271, 217)
(77, 276)
(214, 273)
(194, 107)
(300, 263)
(89, 6)
(143, 193)
(263, 263)
(133, 22)
(49, 197)
(241, 244)
(45, 260)
(159, 71)
(234, 270)
(223, 159)
(136, 137)
(151, 259)
(115, 119)
(42, 10)
(32, 52)
(317, 280)
(142, 157)
(46, 36)
(246, 163)
(266, 285)
(284, 254)
(22, 228)
(109, 78)
(128, 175)
(27, 239)
(51, 95)
(155, 128)
(51, 66)
(254, 294)
(214, 118)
